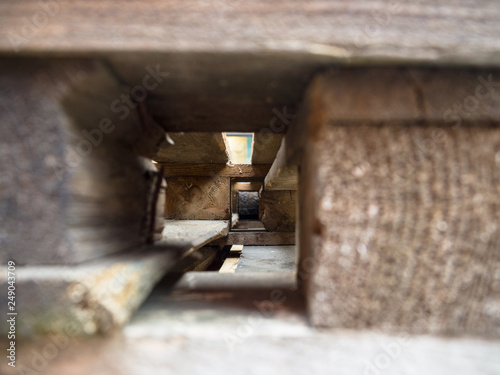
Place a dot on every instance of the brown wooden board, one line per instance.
(197, 198)
(208, 148)
(257, 238)
(277, 210)
(71, 186)
(350, 31)
(396, 216)
(215, 170)
(283, 173)
(265, 145)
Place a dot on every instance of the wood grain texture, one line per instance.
(277, 210)
(283, 173)
(191, 148)
(265, 146)
(258, 238)
(399, 237)
(343, 30)
(215, 170)
(198, 198)
(70, 174)
(101, 295)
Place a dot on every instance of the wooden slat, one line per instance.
(396, 203)
(354, 30)
(70, 167)
(265, 146)
(229, 265)
(257, 238)
(283, 173)
(189, 235)
(101, 295)
(277, 210)
(197, 198)
(194, 148)
(215, 170)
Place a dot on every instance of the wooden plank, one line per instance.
(101, 295)
(390, 214)
(257, 238)
(265, 259)
(190, 148)
(70, 172)
(277, 210)
(229, 265)
(198, 198)
(283, 173)
(265, 146)
(215, 170)
(198, 260)
(353, 31)
(189, 235)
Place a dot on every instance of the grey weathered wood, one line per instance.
(198, 198)
(216, 170)
(207, 148)
(398, 207)
(77, 198)
(101, 295)
(277, 210)
(283, 173)
(257, 238)
(189, 235)
(343, 30)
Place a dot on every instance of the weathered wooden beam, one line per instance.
(398, 201)
(198, 198)
(265, 146)
(256, 238)
(215, 170)
(283, 173)
(277, 210)
(191, 148)
(341, 30)
(70, 167)
(101, 295)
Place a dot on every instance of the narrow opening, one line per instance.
(240, 147)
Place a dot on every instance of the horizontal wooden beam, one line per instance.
(194, 147)
(257, 238)
(283, 173)
(215, 170)
(342, 30)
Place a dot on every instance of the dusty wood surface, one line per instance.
(101, 295)
(208, 148)
(283, 173)
(69, 170)
(276, 338)
(257, 238)
(398, 236)
(198, 198)
(215, 170)
(267, 259)
(198, 260)
(265, 146)
(191, 234)
(342, 30)
(277, 210)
